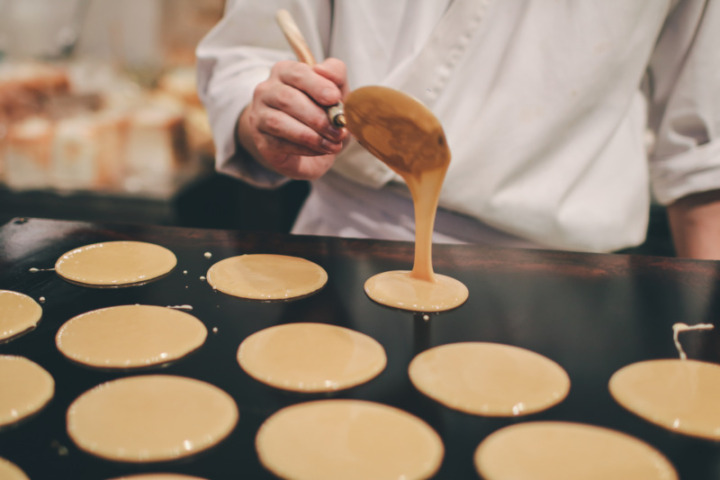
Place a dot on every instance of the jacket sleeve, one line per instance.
(235, 56)
(685, 102)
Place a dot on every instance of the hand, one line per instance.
(286, 128)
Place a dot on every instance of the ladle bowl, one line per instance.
(397, 129)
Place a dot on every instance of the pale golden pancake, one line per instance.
(348, 439)
(398, 289)
(489, 379)
(151, 418)
(311, 357)
(129, 336)
(117, 263)
(26, 388)
(680, 395)
(568, 451)
(18, 313)
(158, 476)
(266, 276)
(10, 471)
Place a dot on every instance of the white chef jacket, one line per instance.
(546, 106)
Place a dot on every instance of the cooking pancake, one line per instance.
(10, 471)
(158, 476)
(489, 379)
(568, 451)
(399, 289)
(266, 277)
(151, 418)
(311, 357)
(348, 439)
(19, 313)
(679, 395)
(405, 135)
(130, 336)
(26, 388)
(118, 263)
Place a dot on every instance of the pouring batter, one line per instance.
(407, 137)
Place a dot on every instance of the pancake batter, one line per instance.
(151, 418)
(118, 263)
(311, 357)
(266, 277)
(568, 451)
(679, 328)
(399, 289)
(20, 313)
(409, 139)
(158, 476)
(489, 379)
(348, 439)
(679, 395)
(10, 471)
(130, 336)
(26, 388)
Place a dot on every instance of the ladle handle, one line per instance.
(297, 42)
(295, 37)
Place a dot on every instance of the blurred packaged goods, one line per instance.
(27, 154)
(115, 110)
(114, 136)
(26, 89)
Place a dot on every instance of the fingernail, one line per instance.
(335, 131)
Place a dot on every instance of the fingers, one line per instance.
(290, 106)
(280, 132)
(284, 157)
(286, 124)
(288, 135)
(322, 89)
(265, 137)
(335, 71)
(284, 101)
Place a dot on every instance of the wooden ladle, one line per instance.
(406, 136)
(299, 45)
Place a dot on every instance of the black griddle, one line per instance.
(591, 313)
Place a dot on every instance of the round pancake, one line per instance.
(158, 476)
(489, 379)
(26, 388)
(266, 277)
(151, 418)
(10, 471)
(679, 395)
(130, 336)
(568, 451)
(117, 263)
(348, 439)
(311, 357)
(398, 289)
(20, 313)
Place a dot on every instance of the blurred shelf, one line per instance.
(219, 202)
(210, 201)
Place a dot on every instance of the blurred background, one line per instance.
(100, 119)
